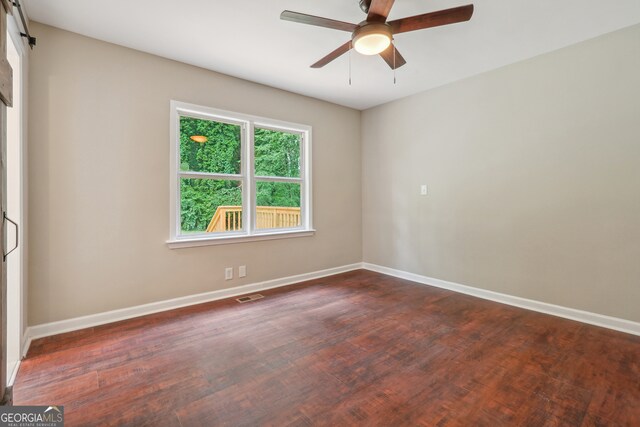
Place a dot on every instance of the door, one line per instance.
(6, 86)
(14, 205)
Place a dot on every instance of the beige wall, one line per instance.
(99, 177)
(533, 173)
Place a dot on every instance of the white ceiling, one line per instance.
(246, 38)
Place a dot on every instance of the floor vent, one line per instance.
(249, 298)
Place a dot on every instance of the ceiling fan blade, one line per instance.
(387, 55)
(379, 10)
(302, 18)
(433, 19)
(333, 55)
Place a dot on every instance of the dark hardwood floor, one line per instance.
(359, 348)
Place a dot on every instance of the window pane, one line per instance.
(209, 146)
(278, 205)
(210, 205)
(277, 153)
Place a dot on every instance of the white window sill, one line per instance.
(190, 242)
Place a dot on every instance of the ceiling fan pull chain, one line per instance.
(350, 54)
(393, 42)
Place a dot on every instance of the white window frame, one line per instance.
(247, 176)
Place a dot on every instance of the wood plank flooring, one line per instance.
(359, 348)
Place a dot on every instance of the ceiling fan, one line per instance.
(375, 34)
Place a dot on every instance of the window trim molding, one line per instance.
(247, 177)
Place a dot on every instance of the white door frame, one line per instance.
(16, 262)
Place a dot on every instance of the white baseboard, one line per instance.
(13, 372)
(26, 343)
(609, 322)
(68, 325)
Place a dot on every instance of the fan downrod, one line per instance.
(364, 5)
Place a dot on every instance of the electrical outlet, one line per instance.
(228, 273)
(242, 271)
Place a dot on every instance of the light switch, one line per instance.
(423, 190)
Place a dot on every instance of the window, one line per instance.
(236, 177)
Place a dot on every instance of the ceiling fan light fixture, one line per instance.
(372, 38)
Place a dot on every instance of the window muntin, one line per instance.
(237, 176)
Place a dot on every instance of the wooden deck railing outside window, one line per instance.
(229, 218)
